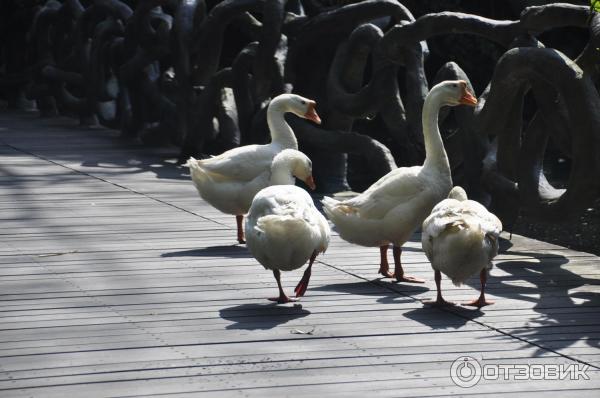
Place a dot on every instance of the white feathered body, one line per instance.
(283, 228)
(230, 180)
(460, 238)
(391, 209)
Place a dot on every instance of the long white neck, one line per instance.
(435, 154)
(281, 132)
(281, 174)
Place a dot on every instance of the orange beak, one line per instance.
(310, 181)
(468, 98)
(311, 113)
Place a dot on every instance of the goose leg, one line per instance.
(481, 301)
(384, 267)
(439, 301)
(282, 299)
(399, 272)
(303, 284)
(240, 229)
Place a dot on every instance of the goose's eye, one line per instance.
(454, 85)
(303, 102)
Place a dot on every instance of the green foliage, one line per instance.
(595, 5)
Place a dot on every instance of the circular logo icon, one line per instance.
(465, 371)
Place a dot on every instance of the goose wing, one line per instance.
(398, 187)
(490, 224)
(241, 164)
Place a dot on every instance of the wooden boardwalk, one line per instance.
(117, 281)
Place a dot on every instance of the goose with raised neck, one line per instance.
(391, 209)
(230, 180)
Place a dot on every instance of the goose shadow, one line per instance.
(261, 316)
(439, 318)
(399, 288)
(212, 251)
(386, 292)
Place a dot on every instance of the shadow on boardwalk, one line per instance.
(553, 290)
(212, 251)
(261, 316)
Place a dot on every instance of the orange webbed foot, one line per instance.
(439, 302)
(480, 302)
(282, 299)
(410, 279)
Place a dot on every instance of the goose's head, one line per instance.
(458, 193)
(298, 105)
(455, 92)
(291, 163)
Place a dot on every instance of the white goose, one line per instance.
(283, 226)
(230, 180)
(460, 238)
(393, 207)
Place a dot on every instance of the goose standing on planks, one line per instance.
(395, 206)
(230, 180)
(460, 238)
(283, 226)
